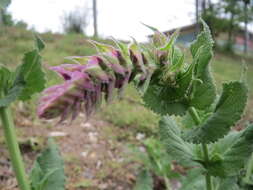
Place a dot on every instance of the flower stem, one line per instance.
(249, 169)
(14, 151)
(195, 116)
(167, 183)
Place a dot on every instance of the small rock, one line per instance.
(103, 186)
(140, 136)
(57, 134)
(93, 137)
(99, 163)
(86, 125)
(93, 155)
(82, 115)
(84, 154)
(142, 149)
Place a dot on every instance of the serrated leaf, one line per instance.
(171, 42)
(11, 95)
(235, 150)
(177, 59)
(227, 183)
(164, 100)
(203, 94)
(48, 171)
(180, 150)
(228, 111)
(31, 72)
(101, 47)
(144, 181)
(194, 180)
(204, 38)
(4, 3)
(39, 44)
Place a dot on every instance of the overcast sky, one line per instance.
(117, 18)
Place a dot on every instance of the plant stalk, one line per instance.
(167, 183)
(195, 116)
(13, 147)
(249, 169)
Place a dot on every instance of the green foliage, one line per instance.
(233, 152)
(204, 92)
(39, 44)
(155, 158)
(4, 3)
(144, 181)
(193, 180)
(158, 99)
(227, 183)
(228, 110)
(31, 72)
(182, 85)
(180, 150)
(48, 170)
(26, 80)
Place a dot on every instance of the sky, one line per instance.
(118, 18)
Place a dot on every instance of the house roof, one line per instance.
(193, 27)
(182, 29)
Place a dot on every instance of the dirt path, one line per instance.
(94, 153)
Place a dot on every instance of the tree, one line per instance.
(226, 16)
(95, 18)
(75, 21)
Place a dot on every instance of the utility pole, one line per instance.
(95, 18)
(246, 33)
(203, 6)
(197, 16)
(1, 16)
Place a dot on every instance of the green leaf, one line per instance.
(194, 180)
(227, 112)
(171, 42)
(234, 150)
(4, 3)
(180, 150)
(164, 100)
(11, 92)
(31, 72)
(11, 95)
(48, 170)
(160, 162)
(144, 181)
(203, 94)
(177, 59)
(227, 183)
(39, 44)
(204, 38)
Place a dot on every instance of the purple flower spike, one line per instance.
(62, 99)
(66, 70)
(91, 77)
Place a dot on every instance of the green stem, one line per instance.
(167, 183)
(12, 144)
(195, 116)
(249, 169)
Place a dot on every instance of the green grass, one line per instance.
(230, 68)
(127, 112)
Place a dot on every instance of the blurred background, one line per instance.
(96, 152)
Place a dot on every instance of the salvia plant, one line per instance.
(168, 85)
